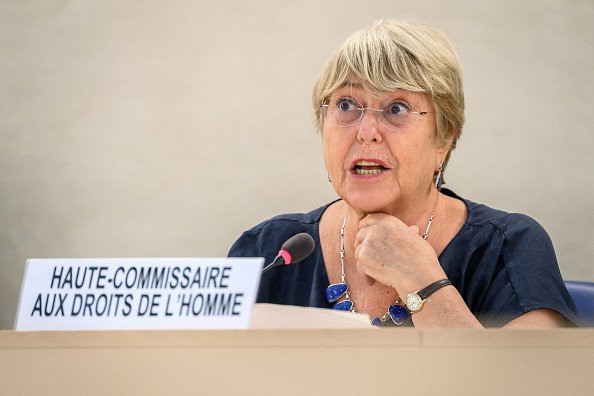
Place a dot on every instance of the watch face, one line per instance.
(413, 302)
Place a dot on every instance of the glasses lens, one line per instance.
(343, 112)
(399, 116)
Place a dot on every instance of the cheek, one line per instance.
(327, 157)
(411, 157)
(335, 151)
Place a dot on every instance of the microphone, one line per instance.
(295, 249)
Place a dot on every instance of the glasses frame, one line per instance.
(326, 105)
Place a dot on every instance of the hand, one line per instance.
(395, 254)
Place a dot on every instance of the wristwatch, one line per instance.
(415, 301)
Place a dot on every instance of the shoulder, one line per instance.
(484, 219)
(508, 240)
(290, 219)
(287, 224)
(272, 233)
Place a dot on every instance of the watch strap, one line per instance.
(432, 288)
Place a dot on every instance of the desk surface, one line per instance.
(293, 362)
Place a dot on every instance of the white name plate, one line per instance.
(138, 294)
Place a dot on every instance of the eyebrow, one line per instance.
(359, 86)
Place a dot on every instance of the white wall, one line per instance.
(150, 128)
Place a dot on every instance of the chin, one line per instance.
(371, 202)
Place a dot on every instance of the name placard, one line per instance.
(138, 294)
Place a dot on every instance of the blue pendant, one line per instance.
(438, 182)
(377, 322)
(335, 291)
(398, 314)
(345, 305)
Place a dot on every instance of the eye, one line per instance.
(345, 104)
(398, 108)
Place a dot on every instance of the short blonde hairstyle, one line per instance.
(394, 55)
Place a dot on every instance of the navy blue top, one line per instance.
(503, 264)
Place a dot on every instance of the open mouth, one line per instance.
(364, 168)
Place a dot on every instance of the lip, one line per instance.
(374, 160)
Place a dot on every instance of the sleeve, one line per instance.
(529, 276)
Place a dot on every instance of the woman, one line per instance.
(390, 107)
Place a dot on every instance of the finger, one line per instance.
(370, 219)
(358, 249)
(357, 252)
(360, 237)
(365, 266)
(414, 229)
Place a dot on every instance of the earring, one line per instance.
(329, 179)
(438, 182)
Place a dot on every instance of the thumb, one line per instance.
(414, 229)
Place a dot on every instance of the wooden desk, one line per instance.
(298, 362)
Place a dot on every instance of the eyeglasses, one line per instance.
(397, 116)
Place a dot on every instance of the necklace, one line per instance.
(396, 312)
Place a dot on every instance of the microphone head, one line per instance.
(298, 247)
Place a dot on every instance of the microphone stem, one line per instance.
(279, 260)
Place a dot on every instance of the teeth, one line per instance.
(359, 171)
(364, 172)
(362, 163)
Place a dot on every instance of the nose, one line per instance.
(369, 127)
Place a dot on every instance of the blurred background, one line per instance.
(165, 129)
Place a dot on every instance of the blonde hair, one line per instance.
(394, 55)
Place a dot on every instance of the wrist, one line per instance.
(414, 301)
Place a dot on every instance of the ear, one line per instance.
(442, 152)
(443, 148)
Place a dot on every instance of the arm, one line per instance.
(523, 265)
(395, 255)
(537, 319)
